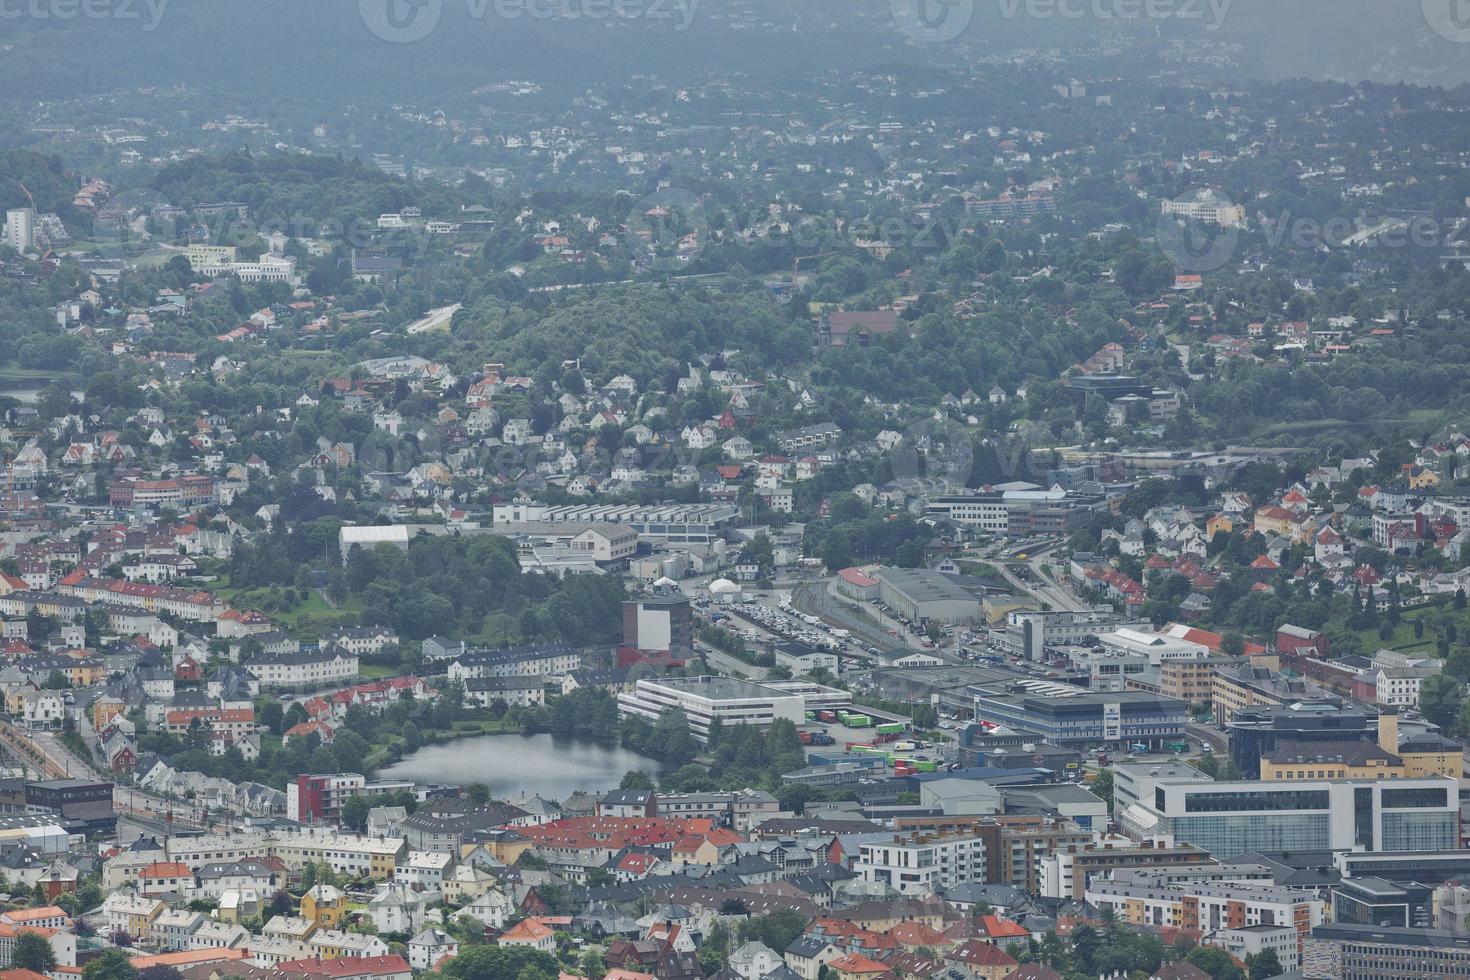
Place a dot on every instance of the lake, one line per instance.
(553, 766)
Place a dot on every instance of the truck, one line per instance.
(890, 728)
(858, 721)
(810, 620)
(827, 715)
(842, 634)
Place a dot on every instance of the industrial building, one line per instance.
(923, 596)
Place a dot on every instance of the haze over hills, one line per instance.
(336, 49)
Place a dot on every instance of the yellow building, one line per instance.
(324, 905)
(1421, 478)
(504, 846)
(1359, 759)
(1421, 755)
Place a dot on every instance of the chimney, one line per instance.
(1388, 729)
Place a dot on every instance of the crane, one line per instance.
(42, 240)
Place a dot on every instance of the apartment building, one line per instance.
(1146, 898)
(920, 863)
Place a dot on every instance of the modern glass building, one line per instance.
(1232, 818)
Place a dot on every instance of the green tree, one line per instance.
(635, 780)
(592, 965)
(1440, 698)
(1216, 962)
(1265, 965)
(355, 813)
(1102, 787)
(33, 952)
(500, 963)
(776, 930)
(113, 964)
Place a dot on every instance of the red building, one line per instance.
(1298, 639)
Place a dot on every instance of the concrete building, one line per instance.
(921, 863)
(703, 699)
(1029, 633)
(1354, 952)
(662, 625)
(924, 596)
(655, 522)
(1148, 898)
(1232, 818)
(20, 229)
(1066, 715)
(1243, 941)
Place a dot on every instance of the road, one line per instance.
(46, 752)
(1041, 588)
(726, 664)
(1208, 735)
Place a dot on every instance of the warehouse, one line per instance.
(924, 596)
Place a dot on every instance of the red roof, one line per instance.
(976, 952)
(348, 966)
(999, 928)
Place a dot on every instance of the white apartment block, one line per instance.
(917, 864)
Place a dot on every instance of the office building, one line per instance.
(1316, 732)
(1029, 633)
(1232, 818)
(1018, 509)
(1245, 685)
(1072, 716)
(1377, 902)
(1207, 208)
(1428, 867)
(1354, 952)
(703, 699)
(1257, 731)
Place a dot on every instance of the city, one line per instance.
(756, 490)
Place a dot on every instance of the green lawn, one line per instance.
(1403, 638)
(304, 620)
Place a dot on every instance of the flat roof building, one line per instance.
(922, 596)
(1066, 715)
(1232, 818)
(733, 702)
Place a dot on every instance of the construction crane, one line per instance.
(38, 228)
